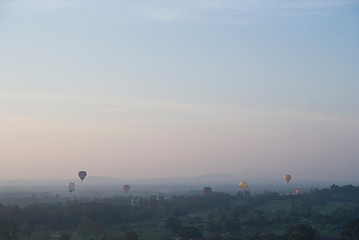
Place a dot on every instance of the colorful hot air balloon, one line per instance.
(82, 175)
(298, 191)
(71, 187)
(243, 185)
(287, 178)
(207, 190)
(126, 188)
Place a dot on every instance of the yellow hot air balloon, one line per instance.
(287, 178)
(243, 185)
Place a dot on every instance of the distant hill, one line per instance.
(315, 177)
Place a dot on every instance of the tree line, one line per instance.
(214, 216)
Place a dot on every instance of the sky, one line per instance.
(180, 88)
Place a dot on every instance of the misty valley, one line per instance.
(178, 212)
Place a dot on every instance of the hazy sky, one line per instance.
(178, 88)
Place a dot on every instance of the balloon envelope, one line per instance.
(207, 190)
(298, 191)
(126, 188)
(287, 178)
(71, 187)
(243, 185)
(82, 175)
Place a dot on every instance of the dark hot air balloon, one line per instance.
(207, 190)
(82, 175)
(126, 188)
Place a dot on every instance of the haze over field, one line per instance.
(156, 89)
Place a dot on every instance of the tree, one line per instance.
(26, 230)
(232, 225)
(268, 236)
(99, 228)
(351, 230)
(9, 232)
(301, 208)
(214, 227)
(262, 236)
(300, 232)
(130, 235)
(65, 236)
(88, 226)
(85, 226)
(173, 223)
(189, 232)
(214, 236)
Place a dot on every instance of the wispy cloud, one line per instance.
(139, 109)
(314, 8)
(250, 9)
(160, 13)
(243, 112)
(39, 5)
(318, 4)
(232, 12)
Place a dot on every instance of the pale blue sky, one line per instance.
(178, 88)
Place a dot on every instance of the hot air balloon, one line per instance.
(287, 178)
(126, 188)
(298, 191)
(71, 187)
(207, 190)
(243, 185)
(82, 175)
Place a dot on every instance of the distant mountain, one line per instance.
(310, 176)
